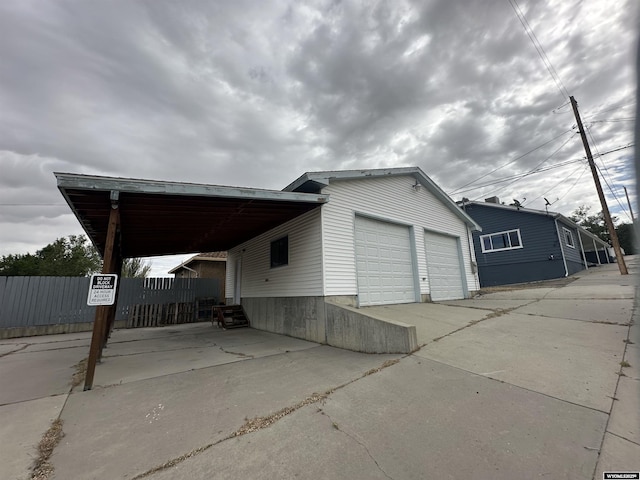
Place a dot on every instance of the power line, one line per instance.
(537, 167)
(629, 145)
(595, 144)
(538, 46)
(457, 190)
(561, 181)
(614, 120)
(614, 195)
(574, 183)
(610, 109)
(522, 175)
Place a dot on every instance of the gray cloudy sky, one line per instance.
(255, 93)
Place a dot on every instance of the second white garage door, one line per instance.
(443, 265)
(384, 263)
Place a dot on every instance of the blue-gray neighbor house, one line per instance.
(518, 245)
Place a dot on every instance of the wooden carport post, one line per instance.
(113, 308)
(100, 324)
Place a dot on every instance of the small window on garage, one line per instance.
(280, 252)
(568, 237)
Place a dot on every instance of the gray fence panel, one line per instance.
(39, 301)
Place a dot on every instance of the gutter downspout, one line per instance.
(564, 260)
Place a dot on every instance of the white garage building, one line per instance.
(385, 236)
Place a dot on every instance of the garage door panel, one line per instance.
(443, 266)
(385, 263)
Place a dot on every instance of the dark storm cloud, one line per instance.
(255, 93)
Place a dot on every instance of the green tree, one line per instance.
(626, 237)
(593, 223)
(71, 256)
(135, 268)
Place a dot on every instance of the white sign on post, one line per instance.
(102, 290)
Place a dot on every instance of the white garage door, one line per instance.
(384, 262)
(443, 265)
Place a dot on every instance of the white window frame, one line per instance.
(491, 250)
(566, 231)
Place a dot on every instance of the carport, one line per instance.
(127, 218)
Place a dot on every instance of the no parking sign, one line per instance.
(102, 289)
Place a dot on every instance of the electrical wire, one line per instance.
(595, 144)
(457, 190)
(523, 175)
(538, 46)
(586, 167)
(614, 120)
(614, 195)
(609, 110)
(564, 179)
(537, 167)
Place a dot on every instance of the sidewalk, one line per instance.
(518, 384)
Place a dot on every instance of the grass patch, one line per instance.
(43, 468)
(624, 363)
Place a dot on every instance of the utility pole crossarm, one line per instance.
(603, 202)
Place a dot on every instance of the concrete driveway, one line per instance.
(523, 383)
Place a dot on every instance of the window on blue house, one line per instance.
(568, 237)
(496, 242)
(280, 252)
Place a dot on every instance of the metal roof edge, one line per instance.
(133, 185)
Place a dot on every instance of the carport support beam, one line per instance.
(112, 308)
(102, 312)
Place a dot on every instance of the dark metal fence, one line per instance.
(42, 301)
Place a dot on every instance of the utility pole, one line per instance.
(603, 202)
(629, 203)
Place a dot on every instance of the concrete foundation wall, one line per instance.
(300, 317)
(330, 321)
(349, 329)
(34, 330)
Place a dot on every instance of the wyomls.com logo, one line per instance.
(621, 475)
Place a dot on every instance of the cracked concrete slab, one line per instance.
(130, 361)
(573, 361)
(488, 303)
(304, 444)
(167, 416)
(34, 375)
(625, 414)
(519, 294)
(20, 439)
(617, 455)
(432, 320)
(410, 419)
(9, 348)
(607, 311)
(582, 291)
(419, 415)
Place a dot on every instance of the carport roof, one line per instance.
(163, 218)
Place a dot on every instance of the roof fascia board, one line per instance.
(326, 177)
(130, 185)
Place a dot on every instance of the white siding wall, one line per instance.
(303, 275)
(393, 199)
